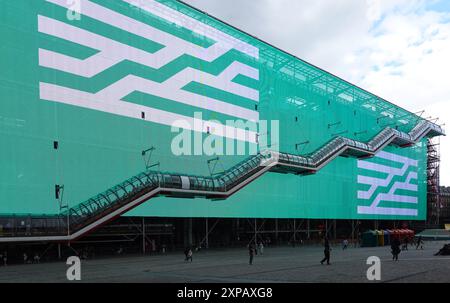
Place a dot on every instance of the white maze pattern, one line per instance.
(391, 195)
(111, 52)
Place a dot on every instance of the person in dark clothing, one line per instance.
(419, 243)
(251, 253)
(326, 252)
(188, 254)
(444, 251)
(5, 258)
(405, 243)
(395, 249)
(345, 244)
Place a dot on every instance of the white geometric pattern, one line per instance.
(112, 52)
(390, 196)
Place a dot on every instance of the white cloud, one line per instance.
(398, 49)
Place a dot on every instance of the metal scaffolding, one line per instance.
(433, 182)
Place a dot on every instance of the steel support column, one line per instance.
(353, 231)
(188, 232)
(276, 231)
(143, 235)
(206, 234)
(335, 229)
(308, 229)
(256, 232)
(294, 233)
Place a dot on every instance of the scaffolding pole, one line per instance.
(143, 235)
(334, 229)
(256, 232)
(294, 233)
(208, 231)
(276, 230)
(433, 182)
(308, 229)
(206, 234)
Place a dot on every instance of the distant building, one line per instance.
(444, 201)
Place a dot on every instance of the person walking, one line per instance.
(186, 250)
(419, 243)
(188, 254)
(261, 248)
(344, 244)
(326, 252)
(251, 253)
(405, 243)
(37, 258)
(395, 249)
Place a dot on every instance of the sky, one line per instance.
(396, 49)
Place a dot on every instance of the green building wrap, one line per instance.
(86, 86)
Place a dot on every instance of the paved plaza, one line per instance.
(278, 264)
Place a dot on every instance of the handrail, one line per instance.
(94, 212)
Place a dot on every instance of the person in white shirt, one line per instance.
(261, 248)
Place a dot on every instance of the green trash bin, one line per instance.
(369, 239)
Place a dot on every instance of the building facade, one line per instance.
(100, 91)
